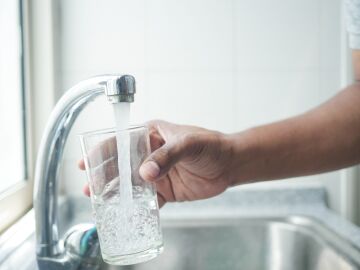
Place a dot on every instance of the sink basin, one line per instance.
(293, 243)
(247, 230)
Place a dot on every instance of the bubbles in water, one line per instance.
(124, 232)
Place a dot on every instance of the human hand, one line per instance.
(187, 163)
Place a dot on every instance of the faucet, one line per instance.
(79, 248)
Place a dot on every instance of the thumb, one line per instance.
(161, 160)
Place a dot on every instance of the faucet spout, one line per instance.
(121, 90)
(118, 88)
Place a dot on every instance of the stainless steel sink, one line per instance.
(294, 243)
(230, 232)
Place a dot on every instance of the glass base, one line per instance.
(133, 258)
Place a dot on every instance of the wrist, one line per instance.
(243, 151)
(232, 145)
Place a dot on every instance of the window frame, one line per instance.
(17, 199)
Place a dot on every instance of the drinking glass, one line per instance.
(126, 216)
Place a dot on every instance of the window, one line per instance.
(15, 191)
(12, 161)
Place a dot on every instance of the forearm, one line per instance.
(324, 139)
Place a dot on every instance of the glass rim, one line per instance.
(105, 131)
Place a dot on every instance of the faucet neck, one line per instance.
(51, 152)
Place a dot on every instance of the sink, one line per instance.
(292, 243)
(247, 230)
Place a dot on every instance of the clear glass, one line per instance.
(127, 235)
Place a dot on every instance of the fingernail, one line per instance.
(149, 170)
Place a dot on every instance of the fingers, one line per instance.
(86, 190)
(108, 170)
(103, 175)
(156, 140)
(81, 164)
(163, 128)
(167, 145)
(161, 200)
(161, 160)
(108, 149)
(157, 131)
(104, 151)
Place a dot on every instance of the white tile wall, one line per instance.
(277, 35)
(200, 98)
(329, 40)
(188, 35)
(221, 64)
(264, 96)
(101, 36)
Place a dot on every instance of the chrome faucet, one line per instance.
(79, 249)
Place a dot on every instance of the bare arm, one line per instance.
(323, 139)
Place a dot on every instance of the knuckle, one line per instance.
(162, 155)
(191, 139)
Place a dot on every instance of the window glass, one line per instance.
(12, 148)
